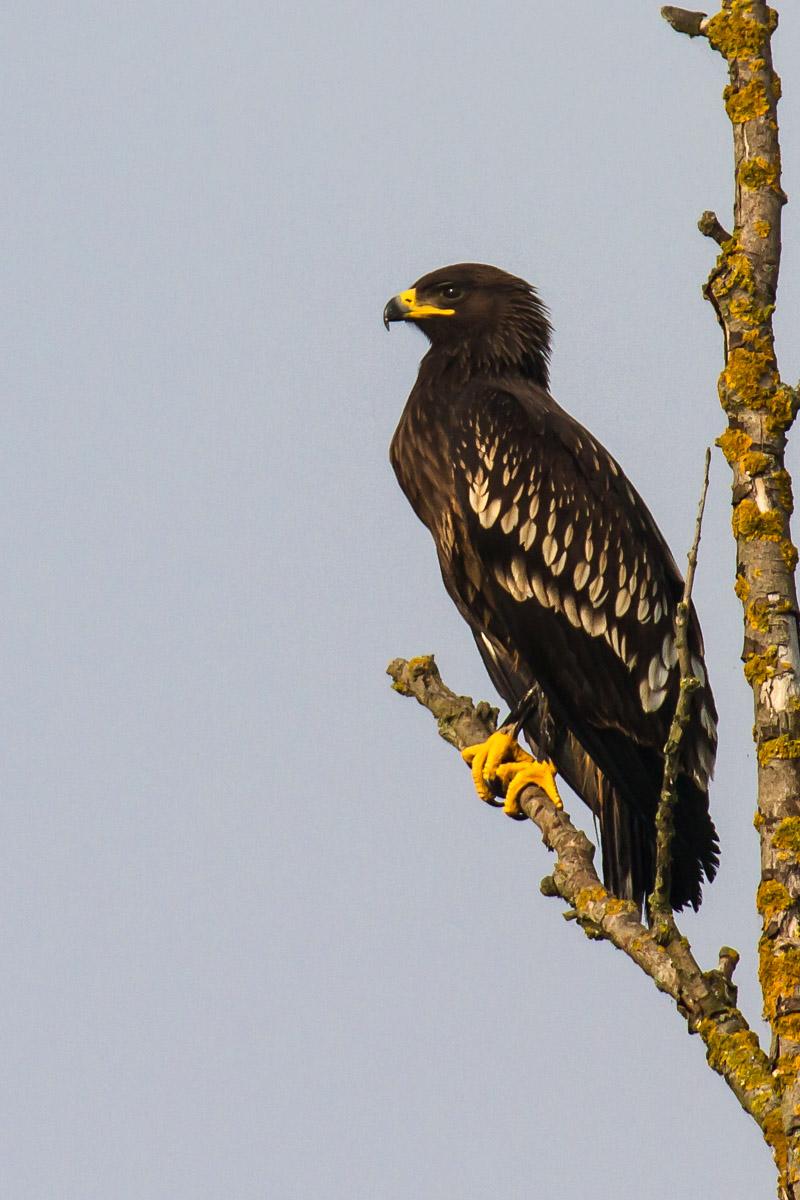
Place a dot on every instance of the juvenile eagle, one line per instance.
(558, 567)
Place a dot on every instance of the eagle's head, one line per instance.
(492, 320)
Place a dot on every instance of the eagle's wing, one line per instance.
(583, 583)
(563, 567)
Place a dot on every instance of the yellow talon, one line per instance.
(486, 757)
(500, 766)
(517, 776)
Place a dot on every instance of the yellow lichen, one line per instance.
(754, 463)
(734, 35)
(772, 898)
(778, 973)
(788, 1027)
(779, 747)
(739, 1059)
(742, 588)
(740, 308)
(731, 1054)
(781, 482)
(754, 337)
(758, 615)
(747, 102)
(733, 269)
(749, 376)
(745, 310)
(789, 553)
(787, 1066)
(734, 443)
(775, 1136)
(590, 895)
(786, 838)
(781, 408)
(759, 172)
(761, 667)
(762, 228)
(749, 522)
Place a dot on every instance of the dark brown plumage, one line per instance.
(558, 567)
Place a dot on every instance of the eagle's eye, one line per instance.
(451, 291)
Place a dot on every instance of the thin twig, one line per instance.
(659, 903)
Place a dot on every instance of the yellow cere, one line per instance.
(409, 301)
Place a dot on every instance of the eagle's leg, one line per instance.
(523, 709)
(501, 767)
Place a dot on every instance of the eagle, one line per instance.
(558, 567)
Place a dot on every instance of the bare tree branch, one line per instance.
(684, 21)
(709, 226)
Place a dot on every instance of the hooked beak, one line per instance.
(405, 307)
(394, 311)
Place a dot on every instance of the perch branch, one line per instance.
(706, 999)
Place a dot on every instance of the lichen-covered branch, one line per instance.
(760, 409)
(706, 999)
(660, 906)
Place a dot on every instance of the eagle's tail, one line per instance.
(695, 847)
(629, 846)
(627, 822)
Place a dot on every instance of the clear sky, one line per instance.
(259, 939)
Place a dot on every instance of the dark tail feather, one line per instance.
(628, 843)
(627, 839)
(627, 826)
(695, 846)
(628, 848)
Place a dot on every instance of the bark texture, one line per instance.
(760, 409)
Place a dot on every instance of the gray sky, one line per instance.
(258, 937)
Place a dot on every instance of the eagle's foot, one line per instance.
(500, 767)
(484, 759)
(518, 775)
